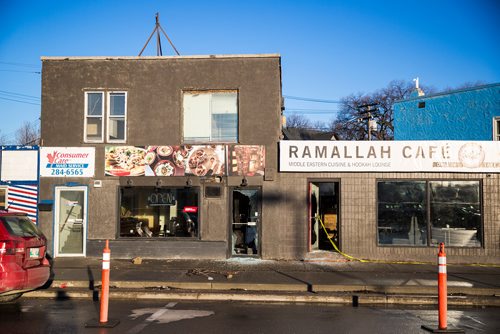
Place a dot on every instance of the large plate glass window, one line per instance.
(455, 213)
(210, 117)
(425, 213)
(153, 212)
(401, 213)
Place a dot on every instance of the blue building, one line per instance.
(468, 114)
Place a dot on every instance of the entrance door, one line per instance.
(245, 227)
(70, 229)
(324, 199)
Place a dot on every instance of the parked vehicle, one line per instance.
(23, 256)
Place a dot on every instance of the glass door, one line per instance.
(324, 201)
(246, 216)
(70, 221)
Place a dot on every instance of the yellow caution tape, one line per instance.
(392, 262)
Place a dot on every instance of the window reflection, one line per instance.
(159, 212)
(401, 213)
(453, 215)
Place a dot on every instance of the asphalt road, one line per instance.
(28, 316)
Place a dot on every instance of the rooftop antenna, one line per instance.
(416, 83)
(157, 29)
(418, 91)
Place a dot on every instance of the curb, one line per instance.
(221, 286)
(301, 297)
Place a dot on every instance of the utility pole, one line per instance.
(365, 111)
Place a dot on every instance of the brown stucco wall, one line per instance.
(154, 87)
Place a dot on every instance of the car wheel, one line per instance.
(10, 298)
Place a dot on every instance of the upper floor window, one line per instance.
(105, 110)
(210, 116)
(496, 128)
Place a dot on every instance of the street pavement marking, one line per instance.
(163, 315)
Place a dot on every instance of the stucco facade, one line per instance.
(155, 87)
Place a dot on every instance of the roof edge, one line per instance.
(270, 55)
(455, 91)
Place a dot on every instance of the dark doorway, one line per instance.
(245, 226)
(324, 199)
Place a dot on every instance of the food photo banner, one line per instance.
(67, 161)
(390, 156)
(193, 160)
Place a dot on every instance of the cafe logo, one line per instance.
(471, 155)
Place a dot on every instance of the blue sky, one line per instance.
(329, 49)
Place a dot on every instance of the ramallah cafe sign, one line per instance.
(390, 156)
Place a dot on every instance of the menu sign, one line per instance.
(193, 160)
(196, 160)
(67, 161)
(390, 156)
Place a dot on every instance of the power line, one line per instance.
(17, 71)
(5, 98)
(310, 99)
(24, 96)
(308, 112)
(19, 64)
(311, 110)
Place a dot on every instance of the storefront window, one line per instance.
(455, 213)
(452, 215)
(401, 213)
(151, 212)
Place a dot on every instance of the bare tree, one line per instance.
(3, 138)
(297, 121)
(351, 124)
(28, 134)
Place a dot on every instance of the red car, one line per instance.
(23, 262)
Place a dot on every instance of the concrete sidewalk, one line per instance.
(248, 279)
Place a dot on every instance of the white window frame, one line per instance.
(211, 93)
(103, 116)
(106, 116)
(496, 128)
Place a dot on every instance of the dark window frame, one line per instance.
(157, 237)
(428, 222)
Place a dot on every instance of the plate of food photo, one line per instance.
(125, 161)
(164, 168)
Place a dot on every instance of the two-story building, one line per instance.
(184, 149)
